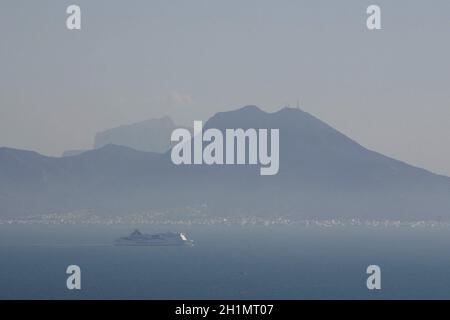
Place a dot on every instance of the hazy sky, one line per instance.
(133, 60)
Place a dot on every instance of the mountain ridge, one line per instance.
(323, 173)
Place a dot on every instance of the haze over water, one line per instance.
(227, 262)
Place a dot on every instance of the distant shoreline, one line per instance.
(143, 219)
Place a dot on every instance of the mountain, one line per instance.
(99, 179)
(150, 135)
(323, 174)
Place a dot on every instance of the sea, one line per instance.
(226, 262)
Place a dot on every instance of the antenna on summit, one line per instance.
(298, 103)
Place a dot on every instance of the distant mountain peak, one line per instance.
(291, 110)
(151, 135)
(251, 108)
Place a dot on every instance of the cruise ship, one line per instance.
(136, 238)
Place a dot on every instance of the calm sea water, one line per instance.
(279, 262)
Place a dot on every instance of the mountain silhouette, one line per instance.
(323, 174)
(151, 135)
